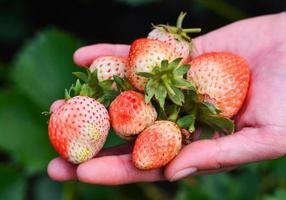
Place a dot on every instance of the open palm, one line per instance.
(261, 123)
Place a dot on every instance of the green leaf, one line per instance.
(179, 82)
(160, 95)
(220, 124)
(122, 84)
(107, 97)
(44, 65)
(150, 90)
(106, 84)
(173, 112)
(82, 76)
(156, 70)
(77, 87)
(145, 74)
(178, 98)
(174, 63)
(24, 132)
(209, 108)
(164, 64)
(92, 79)
(182, 70)
(186, 121)
(13, 185)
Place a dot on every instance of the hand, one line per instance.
(261, 123)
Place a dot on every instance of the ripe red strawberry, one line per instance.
(157, 145)
(107, 66)
(143, 56)
(129, 114)
(78, 129)
(221, 79)
(176, 37)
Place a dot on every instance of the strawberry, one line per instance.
(78, 129)
(129, 114)
(144, 55)
(103, 80)
(176, 37)
(108, 66)
(222, 79)
(157, 145)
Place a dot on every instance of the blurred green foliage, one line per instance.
(37, 76)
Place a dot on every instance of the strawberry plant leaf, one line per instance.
(209, 108)
(27, 141)
(107, 97)
(106, 84)
(178, 96)
(183, 69)
(77, 87)
(145, 74)
(82, 76)
(160, 95)
(92, 78)
(12, 183)
(164, 64)
(186, 121)
(43, 66)
(149, 90)
(183, 83)
(173, 65)
(220, 124)
(173, 112)
(122, 84)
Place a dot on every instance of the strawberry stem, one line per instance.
(180, 20)
(192, 30)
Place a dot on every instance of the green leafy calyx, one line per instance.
(103, 91)
(181, 34)
(166, 81)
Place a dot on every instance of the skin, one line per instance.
(260, 124)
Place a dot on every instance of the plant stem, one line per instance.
(192, 30)
(180, 20)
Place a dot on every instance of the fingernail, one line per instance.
(183, 173)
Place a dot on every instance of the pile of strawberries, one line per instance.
(157, 95)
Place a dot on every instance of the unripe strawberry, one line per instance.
(129, 114)
(157, 145)
(79, 128)
(107, 66)
(144, 55)
(222, 79)
(176, 37)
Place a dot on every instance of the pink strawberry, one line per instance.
(78, 129)
(222, 79)
(107, 66)
(129, 114)
(176, 37)
(157, 145)
(144, 55)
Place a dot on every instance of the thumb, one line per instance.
(245, 146)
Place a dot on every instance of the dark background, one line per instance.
(37, 40)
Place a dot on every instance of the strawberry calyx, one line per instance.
(102, 91)
(196, 113)
(181, 34)
(167, 80)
